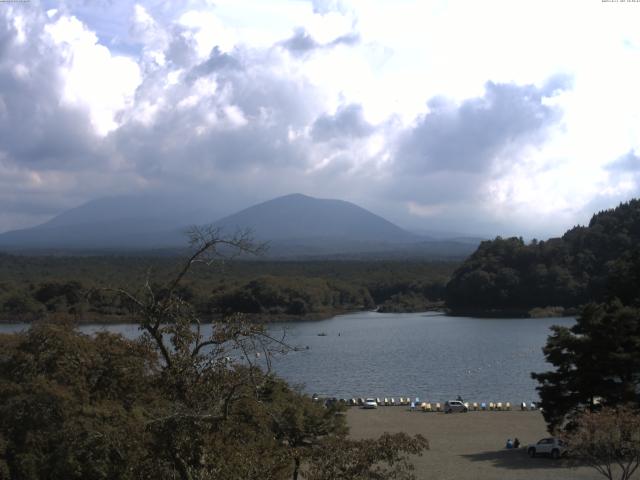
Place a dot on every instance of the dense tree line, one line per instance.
(77, 287)
(270, 295)
(593, 263)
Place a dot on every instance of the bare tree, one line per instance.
(174, 326)
(203, 374)
(608, 441)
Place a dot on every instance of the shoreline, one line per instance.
(538, 312)
(127, 320)
(535, 312)
(469, 446)
(253, 318)
(316, 316)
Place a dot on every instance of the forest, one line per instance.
(81, 288)
(595, 263)
(505, 276)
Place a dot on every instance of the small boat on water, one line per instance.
(322, 334)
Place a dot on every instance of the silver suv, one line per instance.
(548, 446)
(454, 406)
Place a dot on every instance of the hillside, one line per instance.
(592, 263)
(296, 227)
(137, 222)
(301, 218)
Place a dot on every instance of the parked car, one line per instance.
(454, 406)
(370, 403)
(548, 446)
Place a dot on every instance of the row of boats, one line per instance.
(474, 406)
(428, 406)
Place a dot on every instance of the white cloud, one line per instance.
(93, 77)
(210, 95)
(208, 32)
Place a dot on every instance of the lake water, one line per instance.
(428, 355)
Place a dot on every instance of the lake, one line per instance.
(428, 355)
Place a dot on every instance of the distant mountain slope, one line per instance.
(299, 217)
(113, 222)
(592, 263)
(161, 209)
(296, 226)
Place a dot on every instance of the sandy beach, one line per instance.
(469, 445)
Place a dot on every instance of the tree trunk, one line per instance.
(183, 469)
(296, 468)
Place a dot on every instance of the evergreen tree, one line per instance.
(597, 363)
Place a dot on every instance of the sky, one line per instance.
(492, 117)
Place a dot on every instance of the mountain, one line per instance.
(149, 221)
(298, 218)
(296, 226)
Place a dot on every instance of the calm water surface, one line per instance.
(428, 355)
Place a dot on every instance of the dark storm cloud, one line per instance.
(470, 136)
(348, 121)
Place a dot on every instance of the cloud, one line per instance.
(52, 150)
(217, 61)
(475, 134)
(229, 113)
(245, 124)
(348, 39)
(629, 162)
(302, 43)
(622, 182)
(35, 127)
(388, 106)
(324, 7)
(348, 121)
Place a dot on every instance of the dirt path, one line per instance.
(469, 445)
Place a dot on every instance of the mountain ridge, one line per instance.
(298, 217)
(295, 225)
